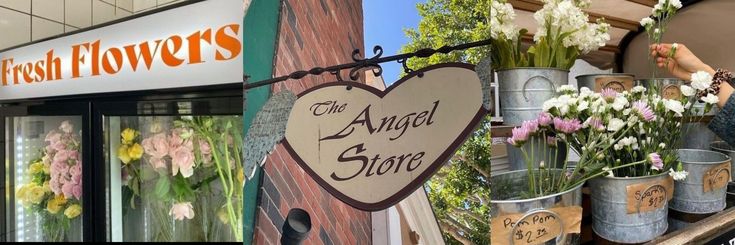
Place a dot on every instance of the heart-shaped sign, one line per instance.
(372, 148)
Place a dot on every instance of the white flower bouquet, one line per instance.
(656, 24)
(626, 134)
(563, 34)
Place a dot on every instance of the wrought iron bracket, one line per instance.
(359, 63)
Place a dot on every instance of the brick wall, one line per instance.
(312, 33)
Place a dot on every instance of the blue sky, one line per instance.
(384, 21)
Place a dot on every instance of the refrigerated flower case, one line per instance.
(137, 166)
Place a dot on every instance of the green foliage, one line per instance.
(460, 191)
(449, 22)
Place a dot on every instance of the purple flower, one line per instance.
(655, 160)
(544, 119)
(609, 94)
(551, 141)
(567, 126)
(643, 110)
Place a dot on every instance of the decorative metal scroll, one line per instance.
(373, 63)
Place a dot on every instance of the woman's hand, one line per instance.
(682, 64)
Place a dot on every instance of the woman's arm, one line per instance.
(682, 65)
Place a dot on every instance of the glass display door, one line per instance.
(125, 167)
(174, 170)
(43, 173)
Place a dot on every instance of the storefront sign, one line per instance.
(193, 45)
(372, 148)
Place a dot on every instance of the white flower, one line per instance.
(638, 89)
(551, 103)
(502, 19)
(687, 91)
(583, 106)
(619, 103)
(681, 175)
(701, 80)
(656, 31)
(710, 99)
(584, 92)
(609, 172)
(674, 46)
(662, 145)
(645, 22)
(542, 164)
(675, 3)
(615, 124)
(566, 88)
(674, 105)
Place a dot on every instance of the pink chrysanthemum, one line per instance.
(544, 119)
(644, 111)
(520, 136)
(567, 126)
(595, 124)
(609, 94)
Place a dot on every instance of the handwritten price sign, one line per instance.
(649, 196)
(535, 227)
(717, 177)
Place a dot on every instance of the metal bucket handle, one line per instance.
(718, 173)
(640, 202)
(559, 239)
(553, 86)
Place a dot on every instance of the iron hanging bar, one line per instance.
(373, 62)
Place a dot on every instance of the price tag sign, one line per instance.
(717, 177)
(649, 196)
(535, 227)
(617, 83)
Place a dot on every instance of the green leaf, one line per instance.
(162, 187)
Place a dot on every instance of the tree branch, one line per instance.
(470, 214)
(455, 232)
(479, 169)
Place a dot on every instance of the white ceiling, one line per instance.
(23, 21)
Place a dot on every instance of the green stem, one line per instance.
(602, 172)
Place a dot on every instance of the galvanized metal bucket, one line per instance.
(617, 81)
(610, 218)
(523, 91)
(506, 199)
(669, 87)
(724, 148)
(553, 157)
(689, 195)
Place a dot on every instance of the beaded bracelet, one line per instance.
(721, 75)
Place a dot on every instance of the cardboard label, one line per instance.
(617, 83)
(541, 226)
(671, 91)
(716, 177)
(649, 196)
